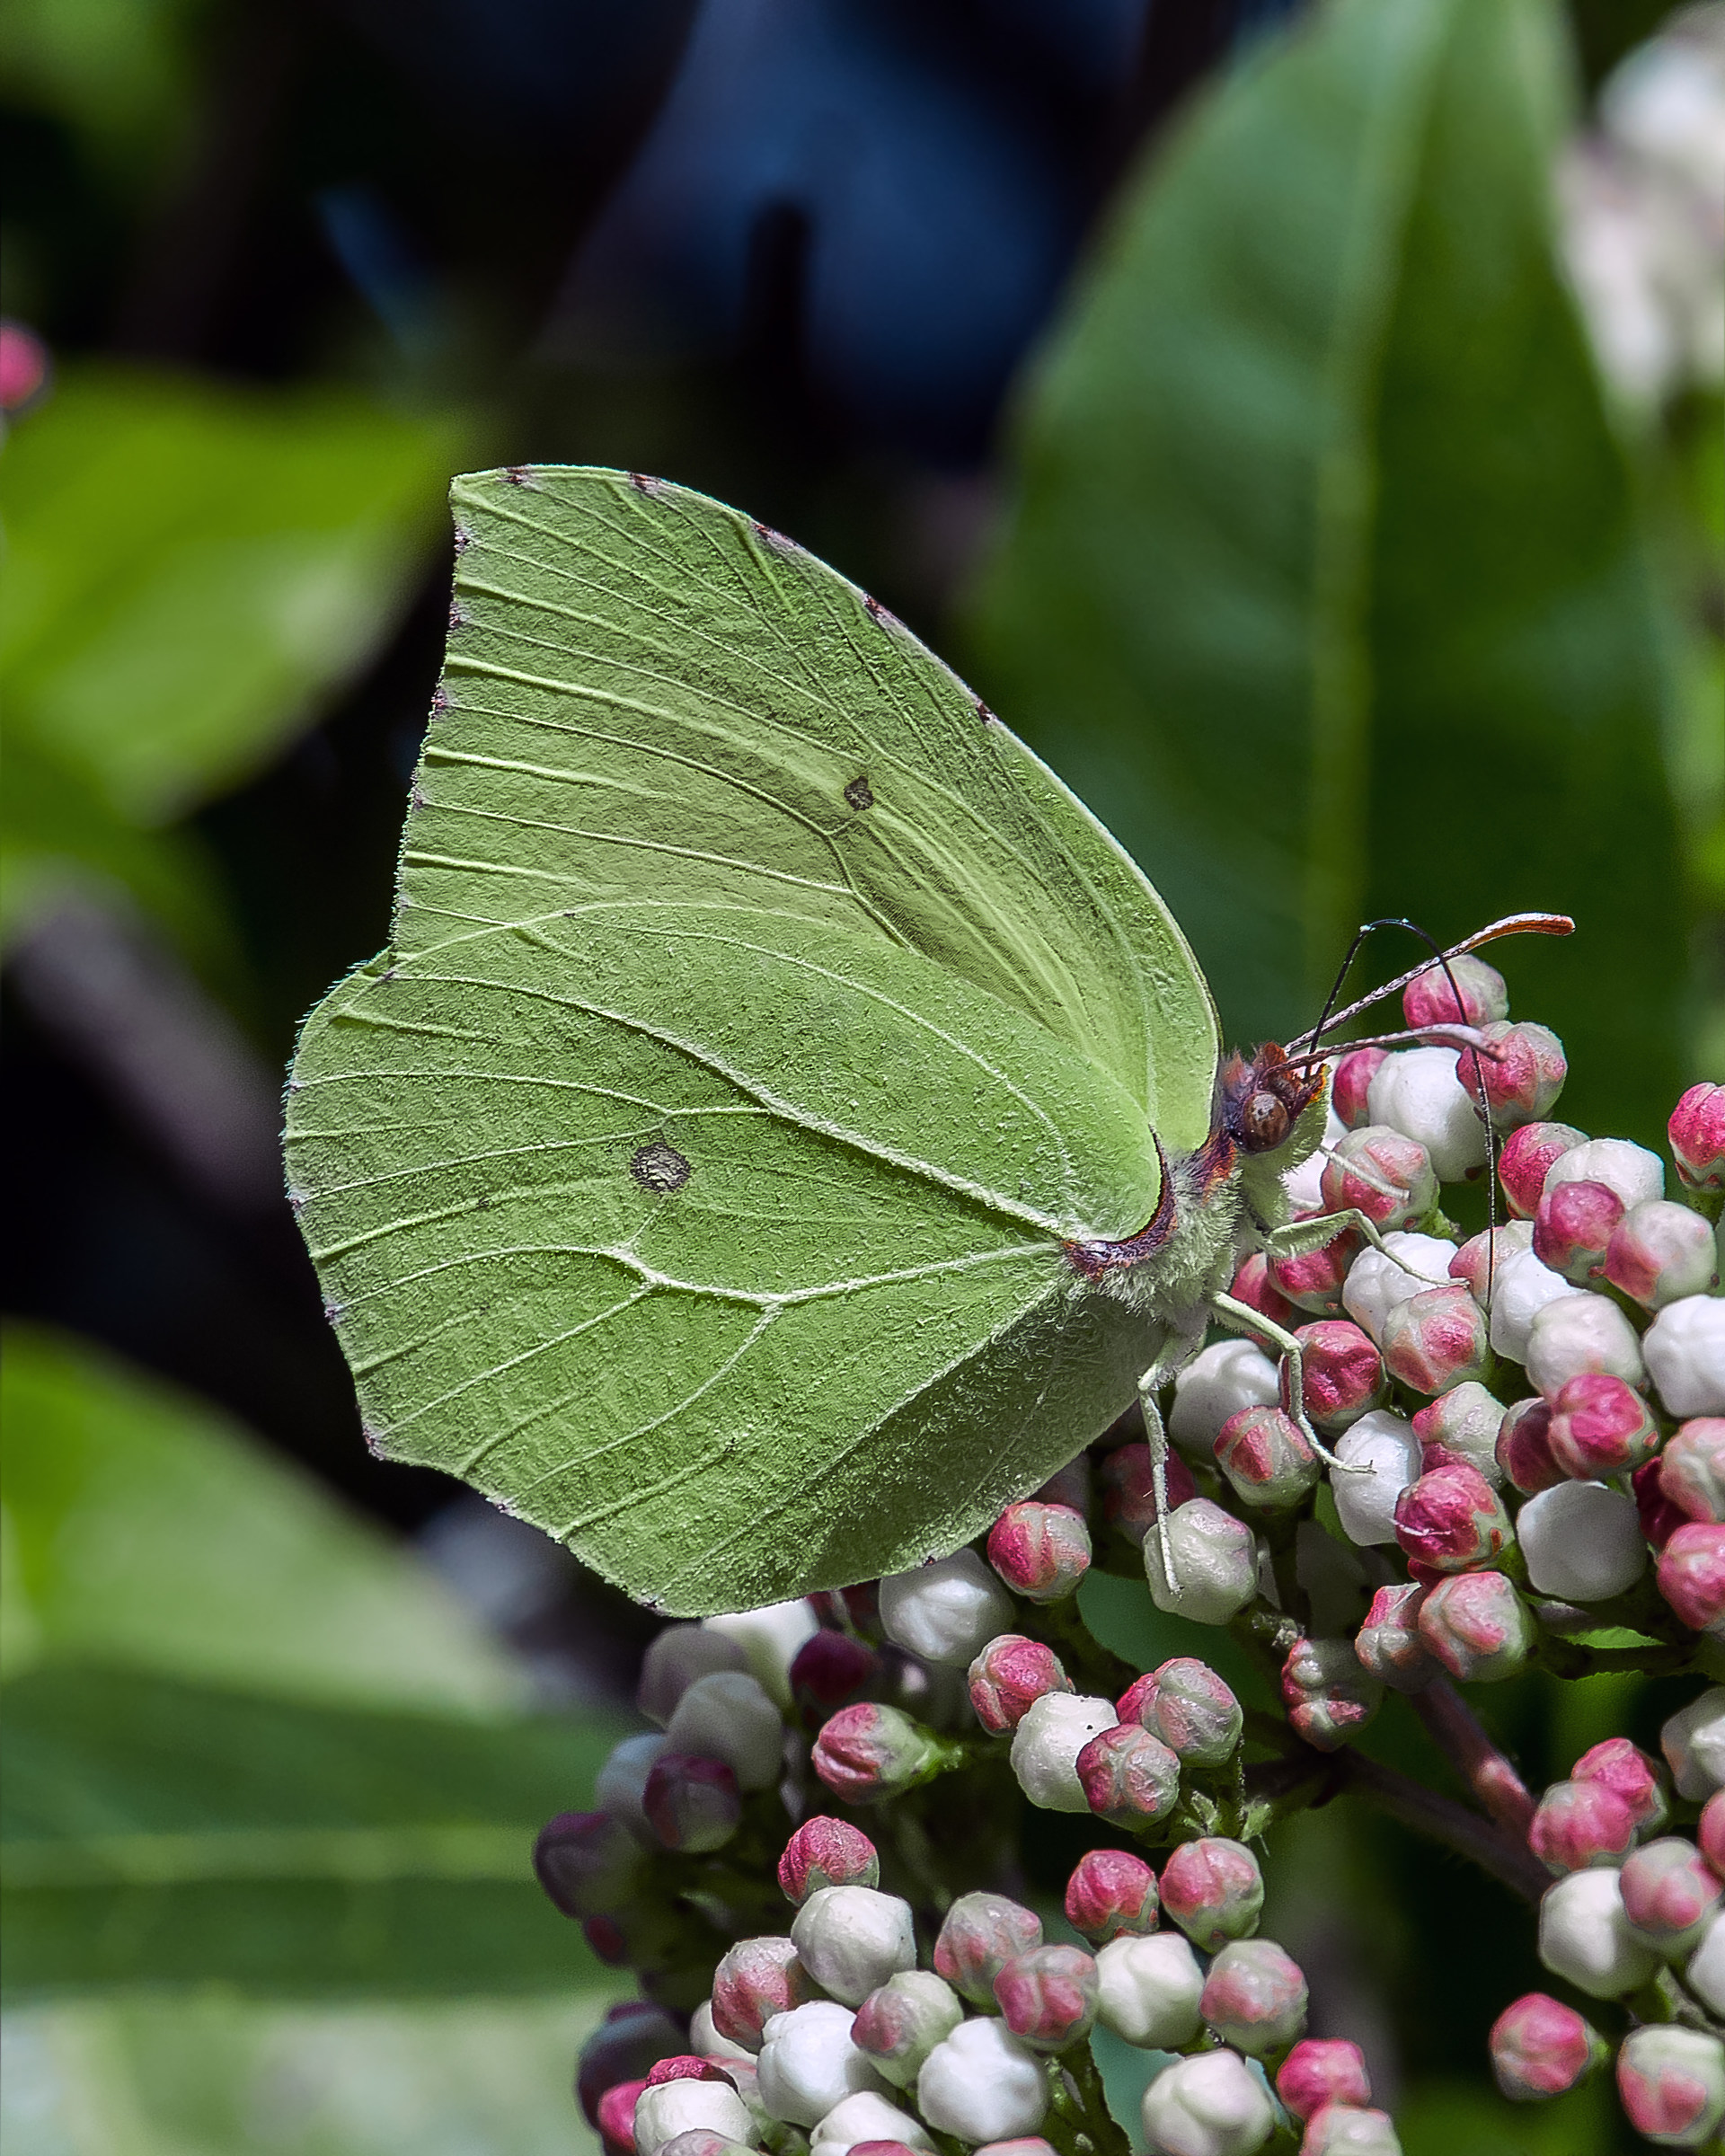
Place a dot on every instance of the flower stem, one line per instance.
(1456, 1730)
(1505, 1856)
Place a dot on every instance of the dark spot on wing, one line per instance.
(440, 701)
(859, 794)
(463, 538)
(776, 541)
(519, 475)
(884, 615)
(643, 484)
(659, 1168)
(458, 619)
(988, 716)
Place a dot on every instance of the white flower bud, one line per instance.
(1213, 2105)
(1215, 1563)
(1385, 1445)
(851, 1939)
(1416, 1093)
(674, 2107)
(1573, 1335)
(867, 2117)
(674, 1660)
(770, 1639)
(1046, 1743)
(728, 1716)
(982, 2084)
(1378, 1280)
(1684, 1347)
(1521, 1289)
(1582, 1542)
(706, 2041)
(1693, 1740)
(1151, 1984)
(1705, 1973)
(1304, 1185)
(1585, 1935)
(809, 2064)
(622, 1778)
(1633, 1173)
(1228, 1375)
(947, 1611)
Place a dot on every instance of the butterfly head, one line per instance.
(1262, 1098)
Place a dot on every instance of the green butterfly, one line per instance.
(784, 1126)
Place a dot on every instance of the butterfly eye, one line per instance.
(1263, 1123)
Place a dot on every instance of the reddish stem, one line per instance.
(1458, 1734)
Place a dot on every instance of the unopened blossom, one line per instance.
(674, 1660)
(770, 1639)
(1047, 1743)
(1380, 1455)
(1483, 1257)
(1660, 1252)
(867, 2122)
(1329, 1694)
(633, 2036)
(1436, 1339)
(1582, 1542)
(1693, 1741)
(1524, 1286)
(1189, 1707)
(614, 2115)
(1465, 1422)
(1048, 1996)
(1464, 990)
(621, 1781)
(728, 1715)
(808, 2063)
(587, 1862)
(1692, 1474)
(945, 1612)
(1148, 1990)
(1521, 1078)
(980, 1935)
(1704, 1971)
(1540, 2047)
(1671, 2082)
(1573, 1226)
(1600, 1425)
(1451, 1520)
(851, 1939)
(1691, 1575)
(1477, 1626)
(1040, 1551)
(1578, 1824)
(1111, 1893)
(1416, 1092)
(667, 2109)
(756, 1979)
(1254, 1997)
(981, 2084)
(827, 1852)
(1266, 1458)
(1585, 1935)
(1129, 1777)
(1303, 1184)
(1709, 1832)
(1350, 2130)
(1626, 1770)
(1378, 1280)
(1660, 1519)
(705, 2038)
(1350, 1083)
(868, 1751)
(1341, 1373)
(1524, 1447)
(1128, 1488)
(1669, 1892)
(1633, 1173)
(1213, 1890)
(692, 1804)
(831, 1671)
(1008, 1676)
(1320, 2071)
(1315, 1280)
(1381, 1173)
(1252, 1286)
(1389, 1645)
(1684, 1349)
(1214, 1564)
(1226, 1376)
(899, 2024)
(1526, 1159)
(1212, 2105)
(1578, 1334)
(1697, 1134)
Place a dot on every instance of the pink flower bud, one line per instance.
(1524, 1447)
(1436, 1339)
(1572, 1227)
(1430, 998)
(1341, 1373)
(1381, 1174)
(1669, 1891)
(1660, 1517)
(1008, 1676)
(1350, 2130)
(1252, 1286)
(1254, 1997)
(1129, 1777)
(1711, 1832)
(1600, 1426)
(1320, 2071)
(1477, 1627)
(1625, 1768)
(1110, 1893)
(1697, 1134)
(1526, 1159)
(632, 2036)
(1314, 1281)
(1523, 1078)
(1264, 1454)
(1349, 1087)
(1692, 1474)
(1215, 1563)
(827, 1852)
(902, 2022)
(604, 1936)
(1579, 1825)
(684, 2066)
(1049, 1996)
(1213, 1890)
(1189, 1707)
(1671, 2082)
(831, 1669)
(616, 2117)
(1329, 1694)
(866, 1753)
(701, 2141)
(1692, 1574)
(586, 1862)
(1660, 1252)
(756, 1979)
(1464, 1423)
(1540, 2048)
(1451, 1520)
(1041, 1551)
(1481, 1258)
(980, 1935)
(1130, 1489)
(1389, 1647)
(690, 1803)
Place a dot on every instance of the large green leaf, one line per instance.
(1324, 581)
(169, 1833)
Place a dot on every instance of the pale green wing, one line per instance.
(646, 695)
(722, 1242)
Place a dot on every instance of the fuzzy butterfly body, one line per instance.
(784, 1125)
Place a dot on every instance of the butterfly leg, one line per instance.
(1241, 1317)
(1300, 1237)
(1175, 1351)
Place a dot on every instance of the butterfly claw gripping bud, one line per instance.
(1007, 1678)
(1329, 1694)
(1691, 1575)
(1579, 1825)
(867, 1752)
(1189, 1707)
(1582, 1542)
(851, 1939)
(1660, 1252)
(692, 1803)
(981, 2084)
(1129, 1777)
(1213, 1890)
(1430, 997)
(947, 1611)
(586, 1862)
(1341, 1373)
(1670, 1891)
(1046, 1746)
(1320, 2071)
(899, 2024)
(1041, 1551)
(1213, 2105)
(1214, 1564)
(1389, 1646)
(1541, 2048)
(1697, 1134)
(1524, 1076)
(1111, 1895)
(1671, 2082)
(1254, 1997)
(1049, 1996)
(1585, 1936)
(981, 1934)
(1477, 1626)
(1436, 1339)
(1381, 1173)
(756, 1979)
(1265, 1455)
(1527, 1158)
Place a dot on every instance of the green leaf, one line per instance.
(168, 1833)
(142, 1526)
(695, 1171)
(1325, 582)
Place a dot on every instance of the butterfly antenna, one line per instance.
(1511, 925)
